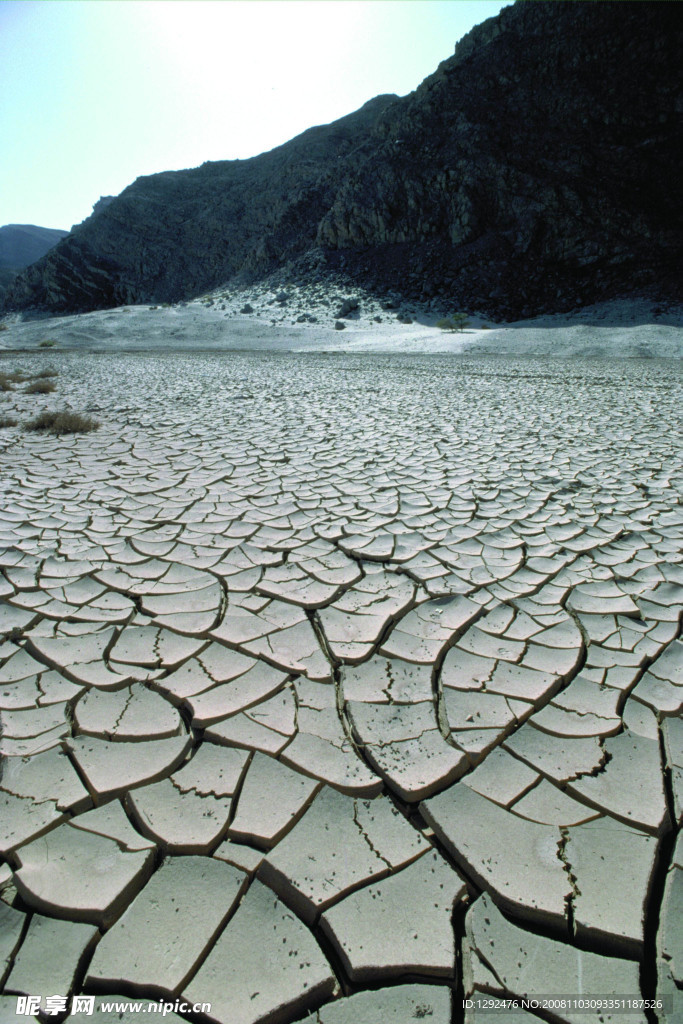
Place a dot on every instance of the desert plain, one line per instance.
(341, 673)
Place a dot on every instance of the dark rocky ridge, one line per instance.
(536, 169)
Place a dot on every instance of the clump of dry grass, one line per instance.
(8, 380)
(8, 421)
(62, 423)
(40, 387)
(47, 344)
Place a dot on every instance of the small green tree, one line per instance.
(455, 322)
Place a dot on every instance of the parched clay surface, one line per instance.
(338, 689)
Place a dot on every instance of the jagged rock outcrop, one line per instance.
(537, 168)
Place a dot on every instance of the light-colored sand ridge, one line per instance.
(306, 322)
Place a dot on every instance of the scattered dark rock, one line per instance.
(347, 306)
(339, 326)
(247, 308)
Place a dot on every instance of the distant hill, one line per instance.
(21, 245)
(537, 169)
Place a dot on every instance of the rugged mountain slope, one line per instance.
(22, 244)
(175, 234)
(537, 168)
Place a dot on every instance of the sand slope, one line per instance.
(631, 329)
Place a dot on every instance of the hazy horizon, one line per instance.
(98, 94)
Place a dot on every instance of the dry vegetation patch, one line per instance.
(40, 387)
(62, 423)
(8, 380)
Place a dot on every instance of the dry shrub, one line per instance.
(40, 387)
(7, 380)
(62, 423)
(8, 421)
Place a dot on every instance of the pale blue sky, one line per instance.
(97, 92)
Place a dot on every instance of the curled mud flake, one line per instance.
(80, 876)
(415, 906)
(145, 949)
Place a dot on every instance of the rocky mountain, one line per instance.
(21, 245)
(538, 168)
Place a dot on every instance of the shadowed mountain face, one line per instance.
(22, 244)
(536, 169)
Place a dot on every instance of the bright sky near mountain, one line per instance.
(97, 92)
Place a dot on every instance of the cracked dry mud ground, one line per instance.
(340, 689)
